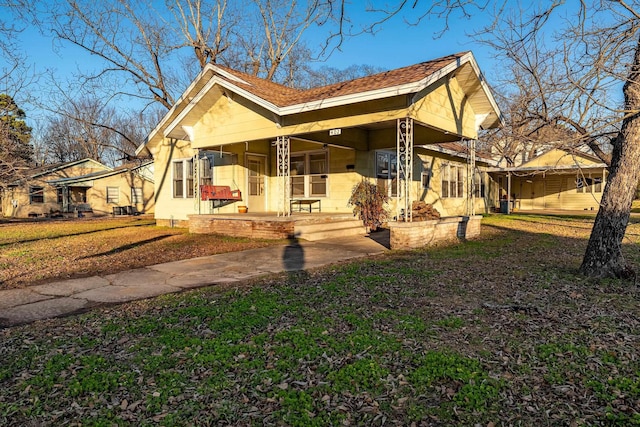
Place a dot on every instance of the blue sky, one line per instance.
(397, 44)
(394, 45)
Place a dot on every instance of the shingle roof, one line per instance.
(284, 96)
(459, 148)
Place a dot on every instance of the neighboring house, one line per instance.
(84, 186)
(556, 179)
(288, 149)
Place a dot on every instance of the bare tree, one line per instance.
(569, 79)
(569, 63)
(87, 128)
(154, 51)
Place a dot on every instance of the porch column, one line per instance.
(284, 177)
(196, 182)
(404, 148)
(508, 192)
(65, 199)
(471, 200)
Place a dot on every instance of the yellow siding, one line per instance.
(444, 107)
(166, 206)
(556, 192)
(97, 194)
(23, 208)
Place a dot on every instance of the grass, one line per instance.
(441, 336)
(38, 252)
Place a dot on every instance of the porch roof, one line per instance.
(534, 170)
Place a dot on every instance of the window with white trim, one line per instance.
(588, 183)
(387, 172)
(136, 195)
(452, 181)
(309, 174)
(182, 178)
(205, 171)
(425, 175)
(36, 195)
(113, 195)
(479, 186)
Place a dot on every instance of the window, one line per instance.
(452, 181)
(597, 184)
(60, 195)
(309, 174)
(256, 175)
(387, 172)
(205, 171)
(36, 195)
(113, 195)
(425, 179)
(479, 185)
(425, 176)
(588, 183)
(136, 195)
(183, 178)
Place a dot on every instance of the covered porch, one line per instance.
(285, 152)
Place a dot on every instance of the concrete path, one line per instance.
(18, 306)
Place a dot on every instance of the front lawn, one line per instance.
(44, 251)
(499, 331)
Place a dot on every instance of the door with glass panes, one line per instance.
(309, 174)
(256, 167)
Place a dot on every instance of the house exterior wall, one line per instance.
(18, 204)
(168, 207)
(124, 182)
(230, 121)
(557, 191)
(346, 167)
(242, 128)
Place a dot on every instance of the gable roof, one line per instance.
(282, 100)
(103, 174)
(559, 159)
(47, 169)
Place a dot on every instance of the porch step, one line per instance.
(330, 229)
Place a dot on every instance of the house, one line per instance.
(557, 179)
(233, 139)
(81, 187)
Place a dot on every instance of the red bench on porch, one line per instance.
(219, 192)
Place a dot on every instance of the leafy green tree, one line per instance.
(15, 135)
(16, 152)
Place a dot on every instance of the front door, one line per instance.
(256, 166)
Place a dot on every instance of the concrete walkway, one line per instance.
(18, 306)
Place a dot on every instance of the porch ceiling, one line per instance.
(372, 136)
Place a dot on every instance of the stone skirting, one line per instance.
(411, 235)
(177, 223)
(251, 227)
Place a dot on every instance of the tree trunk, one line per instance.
(603, 257)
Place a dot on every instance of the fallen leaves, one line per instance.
(353, 345)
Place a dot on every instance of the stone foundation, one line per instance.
(411, 235)
(241, 227)
(178, 223)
